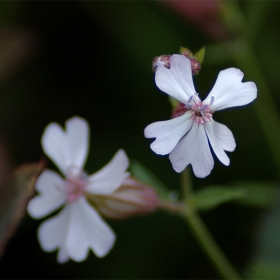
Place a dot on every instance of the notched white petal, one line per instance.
(87, 230)
(55, 146)
(176, 81)
(193, 149)
(223, 136)
(220, 137)
(77, 130)
(75, 230)
(67, 147)
(52, 232)
(230, 91)
(51, 195)
(168, 133)
(109, 178)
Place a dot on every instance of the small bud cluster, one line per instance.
(194, 62)
(161, 60)
(179, 110)
(165, 61)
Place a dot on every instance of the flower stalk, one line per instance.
(209, 245)
(203, 236)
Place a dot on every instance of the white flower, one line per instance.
(186, 138)
(78, 226)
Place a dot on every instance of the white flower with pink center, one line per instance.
(78, 227)
(186, 138)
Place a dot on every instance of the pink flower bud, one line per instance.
(179, 110)
(132, 198)
(161, 60)
(194, 62)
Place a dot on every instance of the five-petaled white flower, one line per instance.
(77, 227)
(185, 138)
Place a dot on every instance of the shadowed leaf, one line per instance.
(146, 176)
(213, 196)
(15, 192)
(258, 194)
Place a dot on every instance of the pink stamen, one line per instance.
(201, 113)
(75, 184)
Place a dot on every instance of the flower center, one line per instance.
(76, 182)
(201, 113)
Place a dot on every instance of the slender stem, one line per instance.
(209, 245)
(186, 184)
(176, 207)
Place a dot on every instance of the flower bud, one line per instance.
(132, 198)
(161, 60)
(179, 110)
(194, 62)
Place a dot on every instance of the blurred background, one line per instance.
(93, 59)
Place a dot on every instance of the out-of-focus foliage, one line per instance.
(15, 192)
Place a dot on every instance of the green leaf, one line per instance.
(258, 194)
(15, 192)
(146, 176)
(212, 196)
(261, 269)
(200, 55)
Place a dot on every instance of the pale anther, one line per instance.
(190, 99)
(212, 100)
(204, 107)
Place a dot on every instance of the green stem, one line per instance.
(186, 184)
(203, 236)
(208, 244)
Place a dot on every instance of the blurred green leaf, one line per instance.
(258, 194)
(212, 196)
(14, 195)
(261, 269)
(200, 55)
(146, 176)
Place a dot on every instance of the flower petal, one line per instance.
(168, 133)
(229, 91)
(77, 228)
(176, 81)
(50, 185)
(87, 230)
(52, 234)
(220, 138)
(193, 149)
(109, 178)
(62, 255)
(223, 136)
(69, 147)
